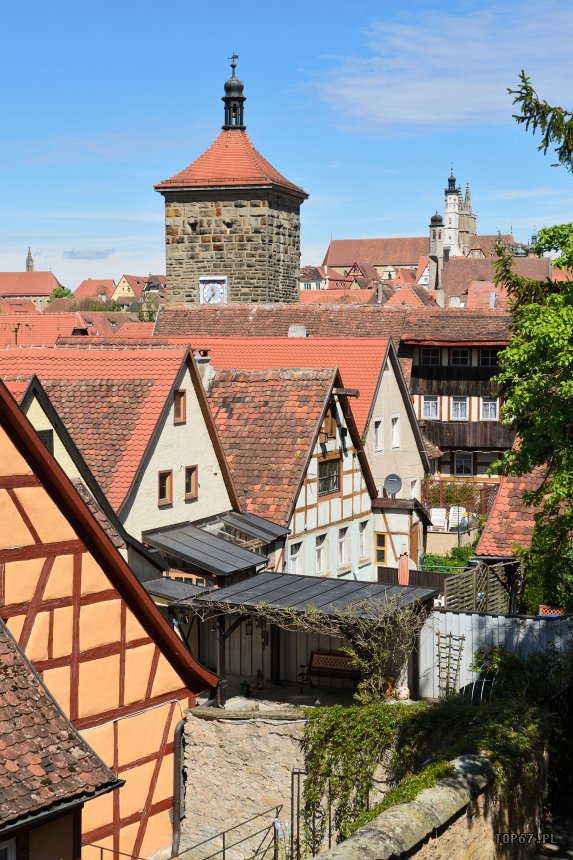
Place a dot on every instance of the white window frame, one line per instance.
(465, 455)
(342, 547)
(395, 432)
(378, 434)
(295, 558)
(363, 539)
(10, 846)
(433, 400)
(320, 554)
(457, 400)
(489, 401)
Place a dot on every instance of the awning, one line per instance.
(202, 550)
(291, 591)
(172, 590)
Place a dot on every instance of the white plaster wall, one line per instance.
(40, 421)
(178, 446)
(404, 461)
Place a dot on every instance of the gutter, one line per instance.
(178, 743)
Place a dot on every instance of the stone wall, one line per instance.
(236, 768)
(253, 240)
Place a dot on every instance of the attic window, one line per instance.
(191, 483)
(180, 407)
(47, 439)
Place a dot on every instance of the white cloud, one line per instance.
(521, 194)
(437, 70)
(88, 253)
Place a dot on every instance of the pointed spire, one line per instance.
(234, 99)
(468, 200)
(29, 261)
(452, 189)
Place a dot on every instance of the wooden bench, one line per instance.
(325, 665)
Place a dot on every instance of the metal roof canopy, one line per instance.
(172, 589)
(291, 591)
(258, 527)
(203, 550)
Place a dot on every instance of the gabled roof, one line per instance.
(110, 402)
(22, 437)
(361, 268)
(412, 296)
(360, 360)
(378, 252)
(256, 320)
(422, 265)
(92, 288)
(487, 243)
(27, 283)
(337, 297)
(44, 762)
(18, 306)
(459, 272)
(38, 329)
(510, 523)
(230, 161)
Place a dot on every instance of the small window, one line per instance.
(191, 483)
(179, 407)
(47, 439)
(430, 356)
(380, 547)
(328, 477)
(363, 539)
(489, 409)
(488, 357)
(295, 558)
(395, 430)
(459, 408)
(463, 463)
(165, 488)
(430, 406)
(342, 535)
(320, 554)
(460, 357)
(378, 434)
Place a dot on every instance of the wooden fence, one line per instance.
(449, 639)
(418, 578)
(481, 589)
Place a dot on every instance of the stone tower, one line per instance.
(436, 251)
(232, 222)
(459, 219)
(29, 261)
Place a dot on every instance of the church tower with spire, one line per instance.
(232, 221)
(29, 261)
(459, 219)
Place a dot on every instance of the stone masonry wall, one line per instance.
(235, 769)
(253, 240)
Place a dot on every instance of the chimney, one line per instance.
(446, 255)
(204, 366)
(440, 300)
(296, 330)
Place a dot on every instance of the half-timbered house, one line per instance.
(116, 669)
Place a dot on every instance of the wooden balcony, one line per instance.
(468, 435)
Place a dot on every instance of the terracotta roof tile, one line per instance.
(18, 306)
(267, 422)
(412, 296)
(336, 297)
(110, 401)
(43, 759)
(92, 288)
(459, 272)
(27, 283)
(377, 252)
(230, 160)
(358, 360)
(38, 329)
(511, 521)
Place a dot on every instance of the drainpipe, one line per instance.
(177, 785)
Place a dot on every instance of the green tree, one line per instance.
(536, 376)
(59, 293)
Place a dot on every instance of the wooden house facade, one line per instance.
(116, 669)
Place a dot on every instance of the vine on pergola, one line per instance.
(378, 633)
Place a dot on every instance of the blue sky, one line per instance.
(364, 105)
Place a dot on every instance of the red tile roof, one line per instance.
(359, 361)
(362, 269)
(487, 243)
(268, 422)
(459, 272)
(480, 292)
(336, 297)
(44, 761)
(110, 401)
(38, 329)
(378, 252)
(561, 275)
(510, 523)
(231, 160)
(18, 306)
(422, 264)
(27, 284)
(412, 296)
(456, 325)
(274, 320)
(92, 288)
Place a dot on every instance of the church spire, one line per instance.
(234, 99)
(468, 200)
(29, 261)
